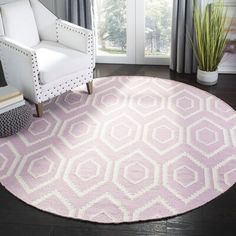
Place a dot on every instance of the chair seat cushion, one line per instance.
(56, 61)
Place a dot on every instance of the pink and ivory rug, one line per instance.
(138, 149)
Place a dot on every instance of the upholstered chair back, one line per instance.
(18, 22)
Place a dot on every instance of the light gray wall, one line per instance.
(56, 6)
(50, 4)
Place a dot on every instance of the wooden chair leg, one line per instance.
(39, 109)
(90, 87)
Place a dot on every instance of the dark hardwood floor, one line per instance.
(216, 218)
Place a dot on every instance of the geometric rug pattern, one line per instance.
(139, 148)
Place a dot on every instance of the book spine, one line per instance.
(9, 96)
(11, 107)
(11, 101)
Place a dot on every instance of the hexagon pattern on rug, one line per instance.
(138, 149)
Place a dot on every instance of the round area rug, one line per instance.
(138, 149)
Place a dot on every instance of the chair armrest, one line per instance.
(20, 68)
(75, 37)
(13, 45)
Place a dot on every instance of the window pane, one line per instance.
(158, 20)
(111, 22)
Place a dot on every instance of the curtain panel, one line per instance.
(182, 56)
(80, 12)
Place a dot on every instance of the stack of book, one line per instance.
(10, 98)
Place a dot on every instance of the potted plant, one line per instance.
(211, 38)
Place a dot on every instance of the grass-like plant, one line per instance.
(210, 34)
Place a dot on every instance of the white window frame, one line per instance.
(135, 39)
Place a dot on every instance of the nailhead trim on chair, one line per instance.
(10, 46)
(36, 77)
(70, 28)
(66, 86)
(57, 33)
(78, 30)
(4, 67)
(28, 53)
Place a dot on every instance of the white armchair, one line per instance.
(42, 55)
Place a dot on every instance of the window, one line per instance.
(133, 31)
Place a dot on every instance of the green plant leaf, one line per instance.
(210, 34)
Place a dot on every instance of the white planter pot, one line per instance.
(206, 77)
